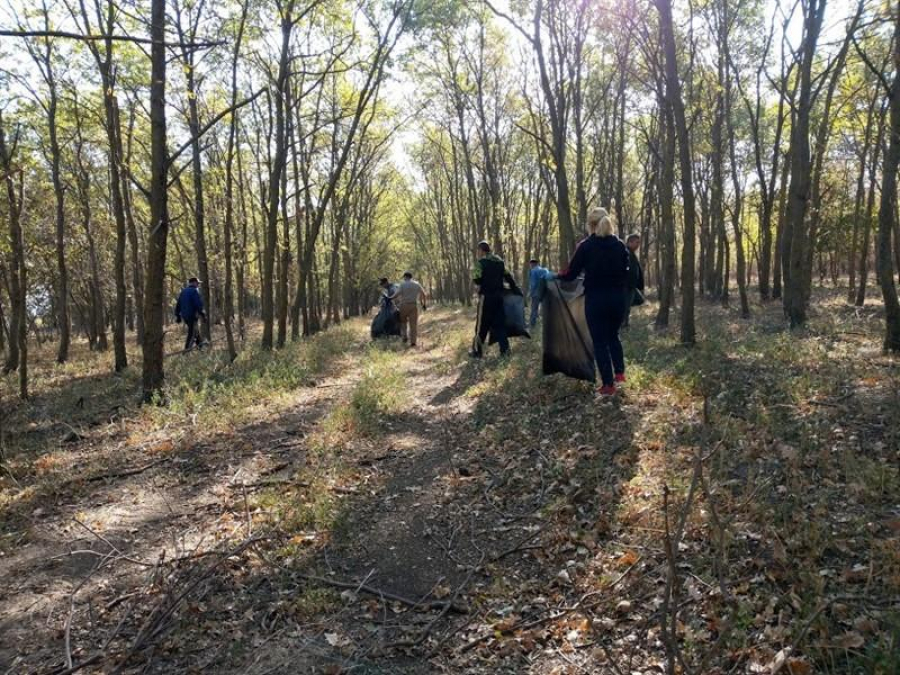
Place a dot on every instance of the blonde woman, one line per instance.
(604, 260)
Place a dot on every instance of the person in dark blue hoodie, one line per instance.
(604, 260)
(189, 309)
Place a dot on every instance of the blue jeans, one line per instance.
(535, 310)
(604, 310)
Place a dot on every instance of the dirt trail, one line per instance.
(437, 505)
(452, 513)
(173, 498)
(410, 511)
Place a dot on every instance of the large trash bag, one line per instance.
(387, 322)
(514, 313)
(568, 348)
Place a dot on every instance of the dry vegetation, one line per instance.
(345, 507)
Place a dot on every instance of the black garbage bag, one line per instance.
(568, 348)
(386, 322)
(514, 312)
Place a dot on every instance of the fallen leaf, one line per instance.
(788, 452)
(850, 640)
(799, 667)
(335, 640)
(441, 591)
(627, 559)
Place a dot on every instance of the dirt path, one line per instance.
(411, 511)
(455, 512)
(417, 521)
(100, 535)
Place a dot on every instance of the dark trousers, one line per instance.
(604, 311)
(193, 333)
(493, 321)
(629, 299)
(535, 310)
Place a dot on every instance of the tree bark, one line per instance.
(673, 94)
(17, 355)
(796, 233)
(278, 163)
(154, 295)
(668, 267)
(229, 190)
(888, 208)
(134, 240)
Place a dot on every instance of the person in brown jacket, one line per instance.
(407, 298)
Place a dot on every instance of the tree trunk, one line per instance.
(229, 191)
(796, 228)
(858, 199)
(17, 356)
(198, 203)
(887, 212)
(137, 275)
(278, 163)
(154, 295)
(44, 60)
(870, 210)
(668, 267)
(116, 155)
(673, 94)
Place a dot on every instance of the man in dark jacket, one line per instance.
(189, 309)
(489, 275)
(635, 274)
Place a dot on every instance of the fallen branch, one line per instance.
(158, 619)
(365, 588)
(427, 630)
(129, 472)
(520, 546)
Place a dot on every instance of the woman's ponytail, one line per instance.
(599, 222)
(605, 227)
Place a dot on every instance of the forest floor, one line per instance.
(347, 507)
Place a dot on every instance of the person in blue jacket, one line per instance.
(189, 309)
(604, 260)
(537, 278)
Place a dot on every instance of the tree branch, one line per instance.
(66, 35)
(209, 125)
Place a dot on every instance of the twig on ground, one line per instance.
(427, 630)
(519, 546)
(534, 623)
(128, 472)
(365, 588)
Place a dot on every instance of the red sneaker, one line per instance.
(620, 377)
(607, 390)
